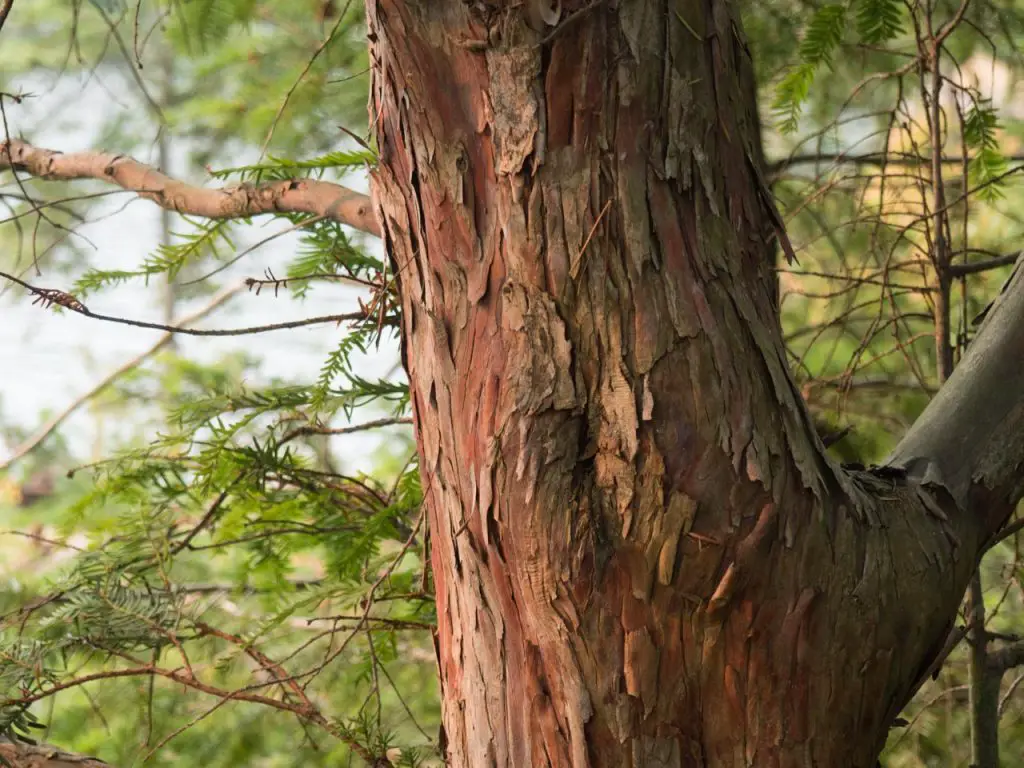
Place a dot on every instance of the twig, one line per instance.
(305, 70)
(574, 270)
(47, 429)
(49, 297)
(314, 430)
(242, 254)
(959, 270)
(368, 601)
(1010, 690)
(569, 20)
(198, 527)
(42, 539)
(869, 158)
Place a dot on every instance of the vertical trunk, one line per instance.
(642, 556)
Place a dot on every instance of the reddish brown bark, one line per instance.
(642, 554)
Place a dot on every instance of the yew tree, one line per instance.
(641, 552)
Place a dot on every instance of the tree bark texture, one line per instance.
(642, 555)
(24, 755)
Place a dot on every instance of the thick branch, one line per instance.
(1007, 658)
(970, 438)
(959, 270)
(320, 198)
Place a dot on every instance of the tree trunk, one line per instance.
(642, 555)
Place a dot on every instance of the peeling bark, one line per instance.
(22, 755)
(642, 555)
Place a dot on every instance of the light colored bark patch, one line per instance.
(514, 109)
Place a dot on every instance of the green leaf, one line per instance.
(823, 34)
(790, 95)
(280, 168)
(879, 20)
(206, 240)
(988, 164)
(822, 37)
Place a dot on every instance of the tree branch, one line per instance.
(1006, 658)
(869, 158)
(22, 755)
(983, 693)
(51, 296)
(970, 438)
(320, 430)
(320, 198)
(959, 270)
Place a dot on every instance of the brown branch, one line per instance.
(379, 620)
(50, 297)
(867, 158)
(319, 198)
(210, 513)
(247, 589)
(265, 662)
(315, 430)
(983, 680)
(952, 24)
(188, 680)
(1006, 658)
(1012, 529)
(959, 270)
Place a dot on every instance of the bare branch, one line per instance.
(1007, 657)
(210, 513)
(51, 296)
(1012, 529)
(320, 430)
(320, 198)
(959, 270)
(891, 158)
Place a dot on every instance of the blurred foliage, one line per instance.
(227, 538)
